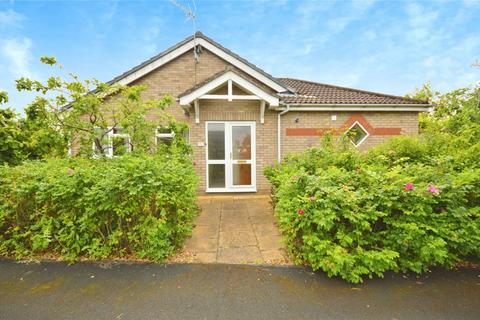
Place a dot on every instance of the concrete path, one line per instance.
(217, 291)
(234, 229)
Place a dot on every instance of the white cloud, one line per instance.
(370, 35)
(10, 18)
(358, 9)
(150, 37)
(18, 53)
(421, 20)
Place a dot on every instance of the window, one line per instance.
(357, 134)
(164, 136)
(186, 135)
(114, 143)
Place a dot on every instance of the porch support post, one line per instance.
(230, 90)
(262, 111)
(197, 111)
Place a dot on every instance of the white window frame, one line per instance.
(110, 136)
(170, 135)
(363, 128)
(229, 162)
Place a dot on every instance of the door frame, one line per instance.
(229, 187)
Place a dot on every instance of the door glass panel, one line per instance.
(216, 176)
(242, 174)
(241, 143)
(216, 141)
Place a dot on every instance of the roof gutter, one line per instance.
(279, 133)
(356, 107)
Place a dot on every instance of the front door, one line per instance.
(230, 156)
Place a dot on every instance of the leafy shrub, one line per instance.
(132, 205)
(409, 204)
(352, 215)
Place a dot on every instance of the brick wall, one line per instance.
(406, 121)
(182, 73)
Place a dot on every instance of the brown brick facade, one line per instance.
(182, 73)
(383, 124)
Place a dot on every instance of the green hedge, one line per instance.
(140, 206)
(395, 208)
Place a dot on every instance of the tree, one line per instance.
(109, 116)
(11, 138)
(452, 112)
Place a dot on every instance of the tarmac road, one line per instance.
(51, 290)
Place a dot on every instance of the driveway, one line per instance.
(219, 291)
(234, 229)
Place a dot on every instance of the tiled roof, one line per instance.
(308, 92)
(198, 34)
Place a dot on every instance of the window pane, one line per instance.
(356, 134)
(242, 174)
(164, 130)
(216, 176)
(186, 135)
(216, 141)
(241, 143)
(164, 141)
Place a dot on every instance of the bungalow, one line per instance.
(242, 119)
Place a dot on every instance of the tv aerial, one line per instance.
(190, 13)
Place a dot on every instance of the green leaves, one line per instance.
(360, 220)
(48, 60)
(73, 109)
(140, 206)
(3, 97)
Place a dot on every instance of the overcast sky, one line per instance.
(385, 46)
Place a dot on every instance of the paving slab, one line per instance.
(270, 242)
(205, 257)
(237, 239)
(232, 227)
(235, 219)
(240, 255)
(196, 244)
(207, 231)
(265, 229)
(274, 256)
(238, 229)
(205, 219)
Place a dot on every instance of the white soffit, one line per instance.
(229, 75)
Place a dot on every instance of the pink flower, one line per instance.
(312, 198)
(70, 171)
(409, 186)
(300, 212)
(433, 189)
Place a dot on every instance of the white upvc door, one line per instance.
(230, 155)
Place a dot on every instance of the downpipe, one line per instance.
(279, 134)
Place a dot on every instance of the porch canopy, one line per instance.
(227, 85)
